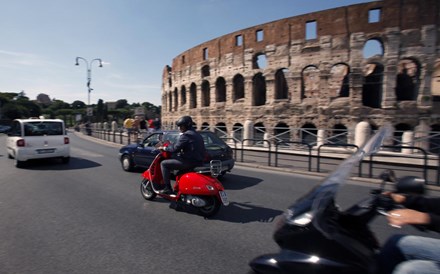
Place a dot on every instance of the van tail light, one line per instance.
(21, 143)
(66, 140)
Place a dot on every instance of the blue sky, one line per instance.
(135, 39)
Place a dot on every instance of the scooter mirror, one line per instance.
(388, 175)
(411, 185)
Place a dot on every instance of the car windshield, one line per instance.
(43, 128)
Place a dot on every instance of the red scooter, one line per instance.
(197, 188)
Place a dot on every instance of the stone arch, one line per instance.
(258, 90)
(372, 87)
(282, 132)
(434, 139)
(220, 130)
(310, 82)
(309, 134)
(339, 84)
(259, 61)
(170, 101)
(175, 99)
(182, 95)
(206, 93)
(338, 134)
(220, 90)
(373, 47)
(281, 87)
(407, 80)
(193, 96)
(205, 71)
(238, 87)
(259, 131)
(399, 129)
(237, 132)
(205, 126)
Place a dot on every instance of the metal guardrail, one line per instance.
(261, 143)
(265, 152)
(303, 144)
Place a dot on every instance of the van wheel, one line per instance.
(19, 164)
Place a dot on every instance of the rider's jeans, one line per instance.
(404, 254)
(172, 164)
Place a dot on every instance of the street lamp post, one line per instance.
(89, 73)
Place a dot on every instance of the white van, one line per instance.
(37, 139)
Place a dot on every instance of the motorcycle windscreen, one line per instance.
(324, 195)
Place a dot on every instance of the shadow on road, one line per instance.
(55, 164)
(247, 213)
(237, 182)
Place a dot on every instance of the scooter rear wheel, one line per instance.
(147, 191)
(211, 208)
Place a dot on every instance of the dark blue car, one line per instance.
(142, 154)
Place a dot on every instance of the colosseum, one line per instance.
(310, 77)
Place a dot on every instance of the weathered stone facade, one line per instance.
(283, 74)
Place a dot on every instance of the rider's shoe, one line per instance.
(167, 190)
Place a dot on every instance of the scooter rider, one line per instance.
(412, 254)
(190, 150)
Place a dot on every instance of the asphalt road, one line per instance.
(88, 217)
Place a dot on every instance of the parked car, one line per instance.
(142, 154)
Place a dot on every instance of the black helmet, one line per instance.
(185, 121)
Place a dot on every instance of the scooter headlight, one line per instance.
(301, 220)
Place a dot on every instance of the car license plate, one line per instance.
(224, 198)
(43, 151)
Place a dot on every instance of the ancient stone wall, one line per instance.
(309, 71)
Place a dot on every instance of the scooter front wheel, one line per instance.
(211, 208)
(147, 191)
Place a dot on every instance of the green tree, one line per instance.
(14, 110)
(78, 104)
(121, 103)
(100, 111)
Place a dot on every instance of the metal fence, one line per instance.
(306, 156)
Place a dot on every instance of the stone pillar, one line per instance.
(362, 133)
(266, 138)
(114, 126)
(321, 137)
(248, 131)
(421, 135)
(407, 141)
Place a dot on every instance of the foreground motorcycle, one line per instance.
(316, 237)
(197, 188)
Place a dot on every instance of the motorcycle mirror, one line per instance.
(411, 185)
(388, 175)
